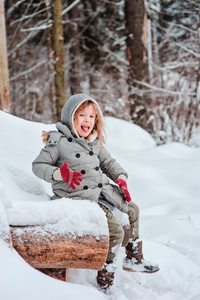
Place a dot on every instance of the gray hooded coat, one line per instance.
(96, 164)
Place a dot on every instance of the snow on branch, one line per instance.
(166, 37)
(38, 28)
(118, 57)
(197, 55)
(28, 16)
(70, 6)
(29, 36)
(39, 64)
(176, 65)
(12, 8)
(185, 28)
(158, 89)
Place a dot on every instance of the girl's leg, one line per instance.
(105, 276)
(133, 214)
(116, 234)
(134, 256)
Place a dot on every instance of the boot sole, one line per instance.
(134, 271)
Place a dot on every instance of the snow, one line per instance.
(163, 181)
(57, 216)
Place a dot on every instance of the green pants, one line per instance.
(116, 232)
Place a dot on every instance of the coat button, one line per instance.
(97, 168)
(85, 187)
(83, 172)
(100, 185)
(91, 153)
(78, 155)
(70, 139)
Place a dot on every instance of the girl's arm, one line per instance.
(45, 163)
(110, 167)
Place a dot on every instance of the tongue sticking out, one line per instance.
(85, 128)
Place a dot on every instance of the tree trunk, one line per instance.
(4, 76)
(74, 51)
(136, 51)
(135, 16)
(42, 249)
(196, 100)
(58, 47)
(50, 64)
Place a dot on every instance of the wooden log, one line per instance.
(43, 249)
(60, 274)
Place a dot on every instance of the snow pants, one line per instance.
(116, 232)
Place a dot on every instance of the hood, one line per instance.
(70, 107)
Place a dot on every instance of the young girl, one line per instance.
(78, 166)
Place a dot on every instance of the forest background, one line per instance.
(139, 59)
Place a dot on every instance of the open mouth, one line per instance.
(85, 128)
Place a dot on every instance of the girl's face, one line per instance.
(85, 120)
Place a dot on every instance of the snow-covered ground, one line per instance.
(164, 181)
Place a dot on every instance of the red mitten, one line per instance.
(71, 177)
(123, 187)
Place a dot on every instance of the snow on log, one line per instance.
(4, 226)
(43, 249)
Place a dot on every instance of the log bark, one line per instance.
(42, 249)
(60, 274)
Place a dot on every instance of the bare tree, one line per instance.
(59, 55)
(50, 62)
(4, 76)
(176, 94)
(140, 100)
(74, 49)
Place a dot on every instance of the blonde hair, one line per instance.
(99, 122)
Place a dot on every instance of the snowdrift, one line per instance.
(163, 181)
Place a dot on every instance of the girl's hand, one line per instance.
(71, 177)
(123, 187)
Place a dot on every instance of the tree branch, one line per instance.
(39, 64)
(70, 6)
(155, 88)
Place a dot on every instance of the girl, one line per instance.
(78, 166)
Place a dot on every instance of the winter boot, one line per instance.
(134, 261)
(105, 277)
